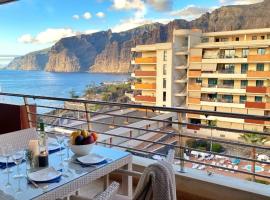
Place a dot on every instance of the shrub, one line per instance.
(217, 148)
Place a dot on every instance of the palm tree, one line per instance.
(254, 139)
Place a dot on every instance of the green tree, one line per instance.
(254, 139)
(73, 94)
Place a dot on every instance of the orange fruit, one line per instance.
(95, 136)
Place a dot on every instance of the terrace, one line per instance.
(148, 132)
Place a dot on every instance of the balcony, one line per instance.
(139, 73)
(194, 87)
(195, 59)
(194, 73)
(222, 60)
(219, 74)
(149, 131)
(141, 98)
(222, 88)
(259, 58)
(145, 60)
(260, 105)
(259, 90)
(144, 86)
(181, 67)
(258, 74)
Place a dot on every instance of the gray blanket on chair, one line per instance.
(157, 183)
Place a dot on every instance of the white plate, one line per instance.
(91, 159)
(4, 160)
(43, 175)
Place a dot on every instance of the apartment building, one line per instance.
(161, 70)
(229, 72)
(219, 71)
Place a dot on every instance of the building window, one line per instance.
(244, 83)
(260, 67)
(262, 37)
(258, 99)
(229, 53)
(245, 53)
(243, 99)
(212, 82)
(224, 39)
(268, 36)
(254, 37)
(228, 83)
(164, 83)
(164, 96)
(261, 51)
(259, 83)
(198, 80)
(237, 39)
(244, 68)
(164, 69)
(164, 55)
(228, 98)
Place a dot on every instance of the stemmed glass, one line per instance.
(66, 144)
(60, 140)
(17, 158)
(6, 152)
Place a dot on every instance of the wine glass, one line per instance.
(66, 144)
(17, 158)
(6, 152)
(60, 140)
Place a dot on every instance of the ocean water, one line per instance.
(50, 84)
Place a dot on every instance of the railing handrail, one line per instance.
(158, 108)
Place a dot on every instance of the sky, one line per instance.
(30, 25)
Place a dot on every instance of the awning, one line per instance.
(211, 67)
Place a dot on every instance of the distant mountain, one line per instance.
(108, 52)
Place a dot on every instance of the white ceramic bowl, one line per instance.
(81, 150)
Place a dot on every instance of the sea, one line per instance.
(50, 84)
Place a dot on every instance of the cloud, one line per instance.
(100, 15)
(87, 15)
(76, 17)
(137, 5)
(190, 12)
(239, 2)
(133, 23)
(160, 5)
(26, 38)
(51, 35)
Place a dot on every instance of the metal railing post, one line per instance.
(181, 142)
(87, 117)
(28, 112)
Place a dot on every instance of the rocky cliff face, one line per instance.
(109, 52)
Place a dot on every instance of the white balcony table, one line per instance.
(78, 177)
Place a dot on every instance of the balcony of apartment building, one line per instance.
(223, 71)
(223, 100)
(145, 98)
(143, 86)
(222, 86)
(134, 137)
(144, 60)
(223, 56)
(182, 78)
(235, 41)
(144, 74)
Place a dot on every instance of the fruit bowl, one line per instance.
(81, 150)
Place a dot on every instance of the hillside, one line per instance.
(108, 52)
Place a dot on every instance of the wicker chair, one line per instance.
(169, 159)
(108, 194)
(18, 139)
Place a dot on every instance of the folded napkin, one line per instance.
(4, 166)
